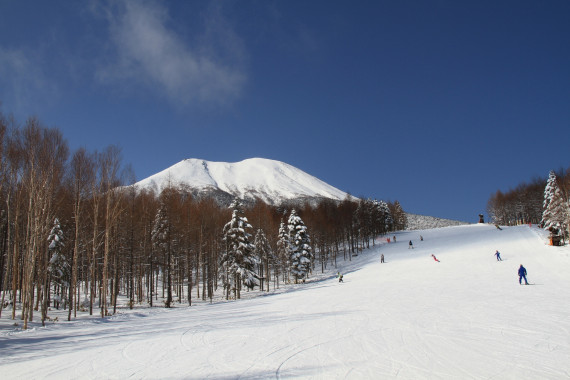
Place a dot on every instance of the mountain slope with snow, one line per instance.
(464, 317)
(424, 222)
(268, 180)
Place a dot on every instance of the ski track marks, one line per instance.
(409, 318)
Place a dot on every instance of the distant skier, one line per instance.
(394, 238)
(340, 277)
(410, 245)
(435, 258)
(421, 238)
(498, 254)
(382, 258)
(522, 274)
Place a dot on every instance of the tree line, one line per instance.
(543, 201)
(75, 234)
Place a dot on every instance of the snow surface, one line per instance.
(268, 179)
(465, 317)
(422, 222)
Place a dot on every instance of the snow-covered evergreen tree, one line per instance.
(555, 211)
(265, 255)
(161, 240)
(300, 251)
(283, 249)
(388, 219)
(238, 261)
(549, 189)
(161, 229)
(58, 266)
(376, 217)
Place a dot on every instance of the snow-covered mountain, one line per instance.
(274, 182)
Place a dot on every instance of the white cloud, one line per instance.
(208, 69)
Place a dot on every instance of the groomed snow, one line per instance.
(465, 317)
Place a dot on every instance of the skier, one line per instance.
(410, 245)
(340, 277)
(435, 258)
(394, 238)
(421, 238)
(382, 258)
(522, 274)
(498, 254)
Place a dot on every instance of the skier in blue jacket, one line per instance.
(522, 274)
(498, 254)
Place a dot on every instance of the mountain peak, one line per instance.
(271, 181)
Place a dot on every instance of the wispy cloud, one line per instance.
(147, 50)
(25, 84)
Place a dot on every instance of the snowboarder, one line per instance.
(382, 258)
(522, 274)
(435, 258)
(411, 245)
(498, 254)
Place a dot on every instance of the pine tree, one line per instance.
(283, 250)
(58, 267)
(376, 219)
(264, 252)
(555, 208)
(161, 239)
(300, 251)
(551, 185)
(387, 215)
(238, 261)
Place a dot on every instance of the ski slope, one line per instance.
(465, 317)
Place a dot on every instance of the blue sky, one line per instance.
(436, 104)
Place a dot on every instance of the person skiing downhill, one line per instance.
(498, 254)
(435, 258)
(339, 276)
(411, 245)
(522, 274)
(382, 258)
